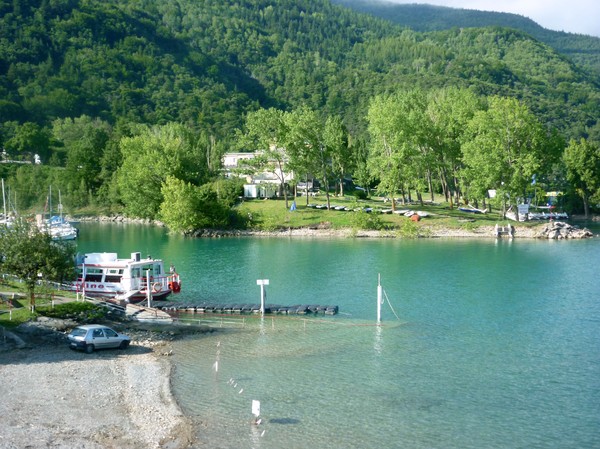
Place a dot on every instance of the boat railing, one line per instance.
(157, 283)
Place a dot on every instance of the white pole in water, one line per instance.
(256, 411)
(262, 283)
(379, 298)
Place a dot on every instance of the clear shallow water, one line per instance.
(497, 346)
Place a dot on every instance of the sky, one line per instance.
(573, 16)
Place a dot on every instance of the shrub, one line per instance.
(360, 194)
(409, 229)
(367, 221)
(79, 311)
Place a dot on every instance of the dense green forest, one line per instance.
(582, 49)
(127, 103)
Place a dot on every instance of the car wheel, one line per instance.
(124, 344)
(89, 349)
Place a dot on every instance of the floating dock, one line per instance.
(241, 309)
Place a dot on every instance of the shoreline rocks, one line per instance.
(559, 230)
(552, 230)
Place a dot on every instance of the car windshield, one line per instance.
(78, 332)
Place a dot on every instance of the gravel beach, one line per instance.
(53, 397)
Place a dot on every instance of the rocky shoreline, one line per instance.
(553, 230)
(56, 397)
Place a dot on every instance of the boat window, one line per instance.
(157, 270)
(135, 272)
(113, 275)
(93, 274)
(113, 278)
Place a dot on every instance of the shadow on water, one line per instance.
(284, 421)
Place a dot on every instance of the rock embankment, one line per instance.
(559, 230)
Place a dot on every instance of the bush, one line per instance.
(82, 312)
(367, 221)
(409, 229)
(360, 194)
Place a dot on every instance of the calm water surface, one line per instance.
(496, 344)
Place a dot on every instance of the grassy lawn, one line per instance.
(271, 214)
(14, 303)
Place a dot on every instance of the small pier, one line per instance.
(507, 230)
(245, 309)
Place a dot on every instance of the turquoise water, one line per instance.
(497, 344)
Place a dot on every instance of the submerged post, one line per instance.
(379, 298)
(262, 283)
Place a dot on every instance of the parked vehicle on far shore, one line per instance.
(90, 337)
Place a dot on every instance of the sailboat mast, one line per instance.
(4, 199)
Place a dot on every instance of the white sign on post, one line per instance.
(255, 408)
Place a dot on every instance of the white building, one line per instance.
(264, 184)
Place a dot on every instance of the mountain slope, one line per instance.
(583, 50)
(207, 63)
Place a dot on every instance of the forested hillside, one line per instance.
(583, 50)
(86, 83)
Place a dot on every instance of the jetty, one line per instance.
(244, 308)
(507, 230)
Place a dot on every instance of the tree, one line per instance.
(503, 148)
(31, 256)
(186, 207)
(84, 141)
(448, 111)
(266, 133)
(149, 158)
(311, 142)
(29, 139)
(582, 160)
(397, 129)
(337, 139)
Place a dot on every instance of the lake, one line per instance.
(483, 343)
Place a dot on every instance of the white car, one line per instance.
(95, 336)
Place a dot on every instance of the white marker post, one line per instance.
(256, 411)
(262, 283)
(379, 298)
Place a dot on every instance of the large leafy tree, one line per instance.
(31, 256)
(337, 139)
(28, 140)
(84, 141)
(266, 132)
(309, 146)
(448, 112)
(149, 158)
(399, 152)
(187, 207)
(503, 148)
(582, 161)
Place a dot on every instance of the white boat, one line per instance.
(104, 275)
(61, 229)
(550, 215)
(58, 227)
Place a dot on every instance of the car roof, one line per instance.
(93, 326)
